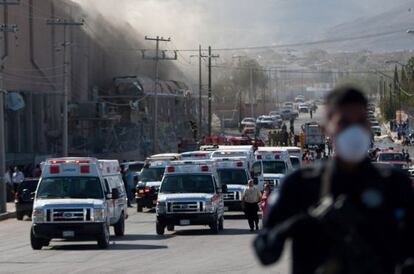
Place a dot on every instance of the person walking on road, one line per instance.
(251, 199)
(311, 114)
(347, 215)
(17, 178)
(265, 198)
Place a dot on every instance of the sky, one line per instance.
(229, 23)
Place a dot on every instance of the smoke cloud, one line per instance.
(225, 23)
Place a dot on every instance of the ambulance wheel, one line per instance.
(103, 239)
(36, 243)
(215, 226)
(221, 223)
(139, 208)
(119, 227)
(160, 228)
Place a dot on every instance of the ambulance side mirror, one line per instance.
(224, 188)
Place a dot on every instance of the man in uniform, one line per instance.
(346, 216)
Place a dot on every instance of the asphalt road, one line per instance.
(187, 250)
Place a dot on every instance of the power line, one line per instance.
(287, 45)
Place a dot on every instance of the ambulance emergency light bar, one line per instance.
(188, 169)
(55, 164)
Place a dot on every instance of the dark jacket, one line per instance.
(384, 197)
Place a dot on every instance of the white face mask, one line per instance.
(352, 144)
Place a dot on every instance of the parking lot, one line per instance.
(187, 250)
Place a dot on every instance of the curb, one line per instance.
(7, 215)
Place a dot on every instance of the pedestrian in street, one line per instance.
(348, 215)
(311, 114)
(251, 199)
(265, 197)
(17, 178)
(124, 174)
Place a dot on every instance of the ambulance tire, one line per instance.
(160, 228)
(119, 227)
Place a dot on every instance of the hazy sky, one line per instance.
(225, 23)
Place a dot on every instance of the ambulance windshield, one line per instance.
(187, 183)
(274, 167)
(232, 176)
(70, 188)
(152, 174)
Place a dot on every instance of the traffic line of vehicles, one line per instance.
(80, 198)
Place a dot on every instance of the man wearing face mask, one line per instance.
(345, 216)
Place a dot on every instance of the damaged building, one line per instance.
(110, 112)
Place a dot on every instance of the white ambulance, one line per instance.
(273, 163)
(190, 194)
(233, 173)
(295, 154)
(150, 179)
(78, 198)
(236, 151)
(196, 155)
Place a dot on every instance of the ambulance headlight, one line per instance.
(161, 207)
(209, 207)
(38, 215)
(99, 215)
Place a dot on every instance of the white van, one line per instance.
(236, 151)
(196, 155)
(273, 163)
(190, 194)
(78, 198)
(295, 154)
(233, 173)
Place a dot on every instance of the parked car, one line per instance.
(288, 114)
(304, 108)
(300, 99)
(267, 122)
(248, 121)
(376, 130)
(24, 197)
(249, 130)
(276, 115)
(288, 105)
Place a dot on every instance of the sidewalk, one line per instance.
(11, 212)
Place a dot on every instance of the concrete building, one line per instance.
(33, 73)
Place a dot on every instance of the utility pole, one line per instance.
(200, 90)
(251, 92)
(210, 114)
(3, 187)
(157, 58)
(239, 64)
(67, 69)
